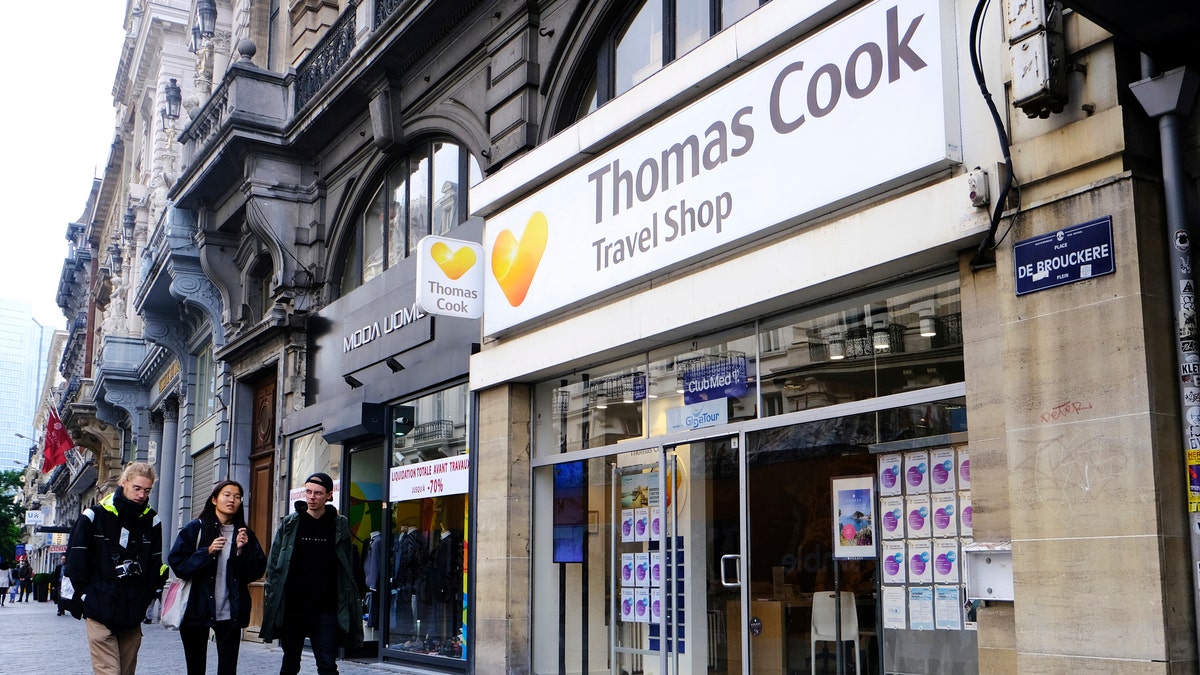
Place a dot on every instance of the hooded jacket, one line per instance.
(349, 607)
(193, 562)
(106, 535)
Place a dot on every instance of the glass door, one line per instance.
(644, 572)
(678, 552)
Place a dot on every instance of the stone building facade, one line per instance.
(743, 262)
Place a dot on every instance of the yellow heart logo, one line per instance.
(515, 262)
(453, 263)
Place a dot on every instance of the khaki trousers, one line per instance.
(113, 652)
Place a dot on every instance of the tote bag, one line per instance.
(174, 602)
(175, 597)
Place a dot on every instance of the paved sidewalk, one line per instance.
(34, 639)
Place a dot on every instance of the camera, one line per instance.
(128, 568)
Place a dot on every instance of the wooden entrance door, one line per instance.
(262, 481)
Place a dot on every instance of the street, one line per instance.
(36, 639)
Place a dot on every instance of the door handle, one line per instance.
(737, 560)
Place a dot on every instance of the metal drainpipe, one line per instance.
(1168, 97)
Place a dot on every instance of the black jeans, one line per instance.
(321, 629)
(195, 647)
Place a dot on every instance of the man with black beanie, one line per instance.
(315, 598)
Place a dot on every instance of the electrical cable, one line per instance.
(989, 242)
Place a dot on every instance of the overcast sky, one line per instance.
(60, 63)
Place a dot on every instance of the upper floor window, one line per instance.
(655, 33)
(206, 383)
(421, 194)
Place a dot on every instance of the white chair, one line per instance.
(824, 624)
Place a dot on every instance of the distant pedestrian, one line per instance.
(311, 591)
(24, 577)
(219, 553)
(113, 560)
(6, 581)
(56, 584)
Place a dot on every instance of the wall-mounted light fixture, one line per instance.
(174, 98)
(197, 40)
(206, 13)
(395, 365)
(128, 223)
(352, 381)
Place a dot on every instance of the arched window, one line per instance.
(419, 195)
(655, 33)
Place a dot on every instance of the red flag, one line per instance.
(58, 442)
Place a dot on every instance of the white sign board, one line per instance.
(450, 277)
(858, 108)
(35, 518)
(436, 478)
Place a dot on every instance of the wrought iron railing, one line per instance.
(327, 57)
(385, 8)
(432, 431)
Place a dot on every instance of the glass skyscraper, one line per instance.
(24, 344)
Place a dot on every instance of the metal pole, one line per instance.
(1168, 97)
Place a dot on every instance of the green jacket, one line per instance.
(349, 606)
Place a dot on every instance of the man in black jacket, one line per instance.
(113, 561)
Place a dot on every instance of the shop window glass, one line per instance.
(595, 408)
(893, 340)
(790, 478)
(898, 339)
(689, 380)
(424, 607)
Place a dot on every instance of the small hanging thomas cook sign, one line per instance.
(450, 277)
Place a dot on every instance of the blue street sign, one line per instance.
(1072, 254)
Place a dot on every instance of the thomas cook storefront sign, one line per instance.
(1075, 253)
(856, 109)
(450, 277)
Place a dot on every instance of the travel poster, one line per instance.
(916, 472)
(893, 563)
(944, 514)
(891, 482)
(891, 517)
(942, 470)
(918, 515)
(854, 521)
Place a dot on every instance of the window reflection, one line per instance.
(899, 340)
(374, 221)
(639, 48)
(893, 340)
